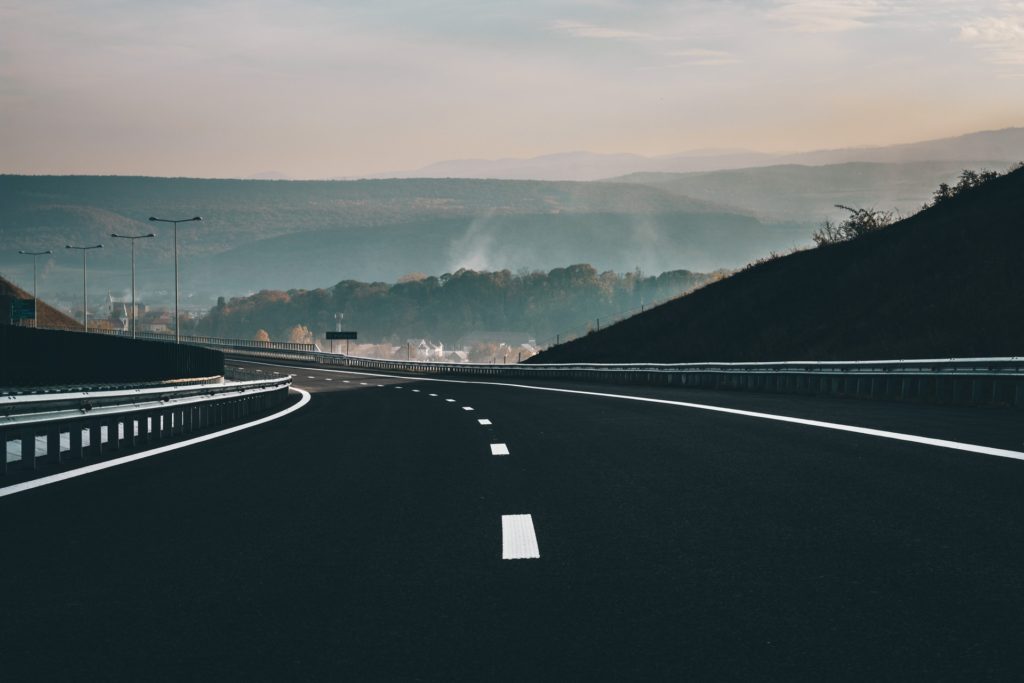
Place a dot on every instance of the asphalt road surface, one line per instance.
(406, 529)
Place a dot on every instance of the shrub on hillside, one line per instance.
(860, 222)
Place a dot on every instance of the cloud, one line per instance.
(827, 16)
(584, 30)
(702, 57)
(664, 45)
(1001, 38)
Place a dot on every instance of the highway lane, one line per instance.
(361, 538)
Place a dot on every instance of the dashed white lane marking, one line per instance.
(310, 377)
(449, 400)
(381, 386)
(89, 469)
(415, 391)
(398, 387)
(518, 538)
(434, 395)
(499, 449)
(346, 381)
(364, 384)
(327, 379)
(867, 431)
(484, 421)
(466, 408)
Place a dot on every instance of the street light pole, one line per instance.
(177, 321)
(132, 238)
(85, 300)
(35, 303)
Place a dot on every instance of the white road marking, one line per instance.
(518, 538)
(364, 384)
(867, 431)
(499, 449)
(466, 408)
(346, 381)
(415, 391)
(449, 400)
(327, 379)
(434, 395)
(310, 377)
(484, 421)
(89, 469)
(398, 387)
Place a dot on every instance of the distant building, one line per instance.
(425, 350)
(120, 313)
(484, 337)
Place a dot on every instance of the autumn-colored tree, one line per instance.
(300, 334)
(261, 336)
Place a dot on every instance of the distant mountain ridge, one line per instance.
(285, 234)
(805, 194)
(1006, 145)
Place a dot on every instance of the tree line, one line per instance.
(449, 307)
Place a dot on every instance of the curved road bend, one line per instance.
(362, 537)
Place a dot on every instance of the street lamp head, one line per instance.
(152, 234)
(153, 218)
(114, 234)
(198, 218)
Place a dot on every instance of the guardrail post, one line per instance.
(53, 443)
(129, 431)
(113, 434)
(3, 455)
(75, 441)
(28, 450)
(95, 438)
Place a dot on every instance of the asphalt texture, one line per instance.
(360, 538)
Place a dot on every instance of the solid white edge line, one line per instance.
(107, 464)
(867, 431)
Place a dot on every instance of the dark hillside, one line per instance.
(948, 281)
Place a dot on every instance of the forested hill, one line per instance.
(949, 281)
(449, 307)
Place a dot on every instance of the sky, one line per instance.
(321, 89)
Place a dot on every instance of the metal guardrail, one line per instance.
(128, 418)
(958, 381)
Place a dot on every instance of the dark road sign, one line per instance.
(340, 335)
(23, 309)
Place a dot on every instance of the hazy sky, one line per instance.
(314, 88)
